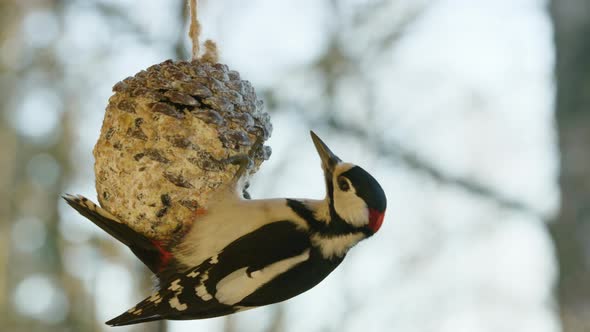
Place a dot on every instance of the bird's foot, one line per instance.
(245, 162)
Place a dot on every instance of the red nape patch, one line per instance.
(375, 219)
(165, 255)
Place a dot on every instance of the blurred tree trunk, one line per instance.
(571, 231)
(7, 169)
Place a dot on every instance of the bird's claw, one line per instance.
(245, 162)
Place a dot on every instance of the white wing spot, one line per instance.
(155, 298)
(202, 292)
(201, 289)
(134, 311)
(193, 274)
(175, 303)
(238, 285)
(175, 285)
(214, 259)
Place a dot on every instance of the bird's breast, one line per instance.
(228, 221)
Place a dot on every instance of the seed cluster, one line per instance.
(167, 141)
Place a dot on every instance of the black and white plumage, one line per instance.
(243, 254)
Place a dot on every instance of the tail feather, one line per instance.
(149, 252)
(145, 311)
(128, 319)
(178, 298)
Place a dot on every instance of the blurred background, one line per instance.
(472, 114)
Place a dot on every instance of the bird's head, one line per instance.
(353, 194)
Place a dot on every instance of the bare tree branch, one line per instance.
(397, 152)
(336, 64)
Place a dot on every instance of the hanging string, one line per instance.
(211, 53)
(195, 29)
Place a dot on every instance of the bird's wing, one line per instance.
(216, 287)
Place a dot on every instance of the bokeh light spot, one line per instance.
(28, 234)
(38, 297)
(40, 28)
(37, 116)
(44, 170)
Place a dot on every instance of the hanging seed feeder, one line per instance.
(169, 138)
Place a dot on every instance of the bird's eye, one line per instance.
(343, 184)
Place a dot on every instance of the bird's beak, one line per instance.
(329, 159)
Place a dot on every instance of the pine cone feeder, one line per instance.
(167, 139)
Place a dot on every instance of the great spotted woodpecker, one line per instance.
(243, 254)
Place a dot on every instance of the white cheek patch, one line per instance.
(238, 285)
(351, 208)
(347, 204)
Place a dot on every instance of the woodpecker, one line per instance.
(242, 254)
